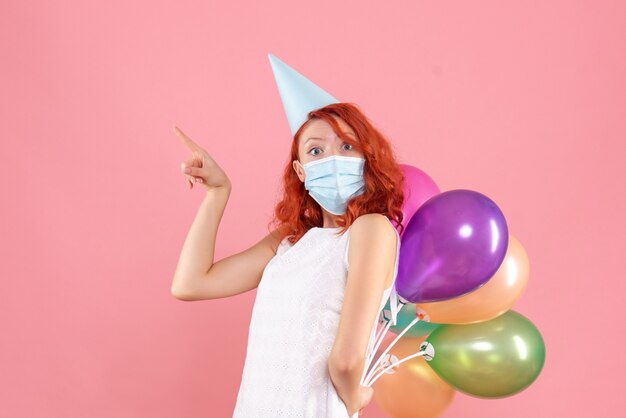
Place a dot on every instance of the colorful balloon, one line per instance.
(412, 389)
(452, 245)
(489, 359)
(490, 300)
(418, 188)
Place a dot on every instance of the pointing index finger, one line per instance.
(186, 140)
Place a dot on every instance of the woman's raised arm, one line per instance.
(197, 276)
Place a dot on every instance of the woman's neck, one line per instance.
(330, 220)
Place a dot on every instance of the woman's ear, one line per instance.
(299, 170)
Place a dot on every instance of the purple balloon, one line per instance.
(452, 245)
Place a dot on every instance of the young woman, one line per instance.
(324, 273)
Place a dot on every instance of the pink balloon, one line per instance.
(418, 188)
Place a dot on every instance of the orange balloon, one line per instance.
(490, 300)
(412, 389)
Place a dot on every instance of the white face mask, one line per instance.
(334, 180)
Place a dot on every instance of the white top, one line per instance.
(293, 327)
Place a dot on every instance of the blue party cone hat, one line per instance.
(298, 94)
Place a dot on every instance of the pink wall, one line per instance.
(524, 103)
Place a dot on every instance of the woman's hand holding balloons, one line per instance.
(365, 397)
(201, 168)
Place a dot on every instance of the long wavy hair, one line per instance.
(297, 211)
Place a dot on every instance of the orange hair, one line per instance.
(297, 212)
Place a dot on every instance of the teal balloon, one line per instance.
(490, 359)
(405, 316)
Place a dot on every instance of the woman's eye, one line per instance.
(349, 146)
(313, 149)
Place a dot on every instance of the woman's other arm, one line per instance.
(197, 277)
(371, 257)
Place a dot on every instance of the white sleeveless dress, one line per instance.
(294, 323)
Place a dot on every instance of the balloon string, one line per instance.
(379, 338)
(413, 322)
(384, 369)
(382, 356)
(379, 334)
(383, 331)
(385, 324)
(418, 354)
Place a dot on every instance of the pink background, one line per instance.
(522, 102)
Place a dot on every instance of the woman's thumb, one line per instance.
(194, 171)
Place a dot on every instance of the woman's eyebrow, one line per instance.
(321, 139)
(313, 137)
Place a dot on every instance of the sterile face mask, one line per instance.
(334, 180)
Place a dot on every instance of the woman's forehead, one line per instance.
(321, 128)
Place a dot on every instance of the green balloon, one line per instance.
(490, 359)
(405, 316)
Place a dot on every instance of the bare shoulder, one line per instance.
(374, 226)
(273, 238)
(372, 244)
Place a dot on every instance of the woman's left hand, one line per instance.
(365, 397)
